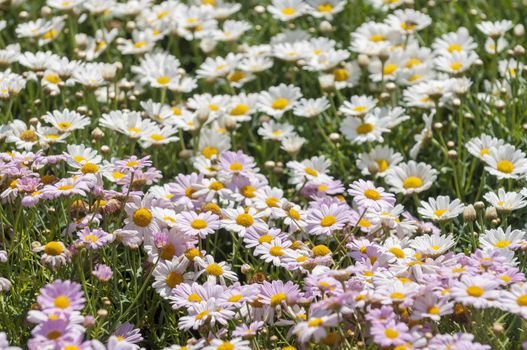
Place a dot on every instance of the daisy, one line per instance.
(140, 217)
(315, 327)
(314, 169)
(433, 245)
(429, 305)
(327, 218)
(478, 291)
(212, 144)
(276, 293)
(279, 99)
(361, 130)
(273, 251)
(371, 38)
(325, 8)
(61, 296)
(499, 239)
(456, 63)
(366, 195)
(408, 21)
(390, 333)
(390, 69)
(24, 137)
(358, 106)
(515, 299)
(347, 75)
(380, 158)
(231, 344)
(94, 239)
(240, 221)
(205, 312)
(495, 29)
(292, 144)
(287, 10)
(193, 224)
(236, 163)
(506, 162)
(170, 273)
(441, 208)
(275, 131)
(458, 41)
(505, 201)
(215, 271)
(411, 177)
(55, 254)
(481, 145)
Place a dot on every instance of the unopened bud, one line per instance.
(97, 134)
(491, 214)
(325, 27)
(519, 30)
(363, 61)
(185, 154)
(469, 213)
(479, 205)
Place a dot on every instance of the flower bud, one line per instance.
(469, 213)
(491, 214)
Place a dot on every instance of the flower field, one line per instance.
(268, 175)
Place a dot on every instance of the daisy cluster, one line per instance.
(284, 174)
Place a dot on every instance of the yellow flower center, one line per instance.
(328, 221)
(456, 66)
(163, 80)
(199, 224)
(202, 315)
(142, 217)
(64, 125)
(214, 270)
(89, 168)
(272, 202)
(372, 194)
(265, 239)
(377, 38)
(310, 171)
(248, 191)
(192, 253)
(226, 346)
(398, 252)
(236, 167)
(316, 322)
(391, 333)
(502, 244)
(412, 182)
(278, 298)
(157, 137)
(54, 335)
(397, 295)
(28, 136)
(505, 166)
(240, 109)
(173, 279)
(288, 11)
(326, 7)
(321, 250)
(53, 79)
(65, 187)
(522, 300)
(412, 62)
(244, 220)
(365, 128)
(294, 214)
(216, 186)
(236, 76)
(140, 44)
(61, 302)
(194, 298)
(340, 74)
(53, 248)
(280, 103)
(168, 252)
(235, 298)
(91, 238)
(208, 152)
(475, 291)
(454, 48)
(389, 69)
(276, 251)
(408, 25)
(440, 212)
(433, 310)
